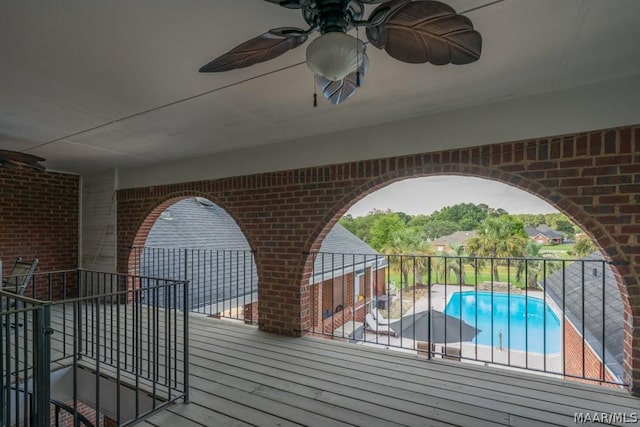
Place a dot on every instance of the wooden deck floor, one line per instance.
(241, 376)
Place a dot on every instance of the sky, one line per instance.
(426, 195)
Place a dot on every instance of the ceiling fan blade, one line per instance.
(17, 160)
(427, 31)
(289, 4)
(267, 46)
(338, 91)
(379, 17)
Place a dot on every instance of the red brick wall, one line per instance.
(347, 315)
(593, 177)
(250, 313)
(65, 419)
(379, 281)
(39, 219)
(337, 291)
(573, 358)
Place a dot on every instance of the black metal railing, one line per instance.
(61, 408)
(112, 345)
(222, 283)
(556, 316)
(24, 344)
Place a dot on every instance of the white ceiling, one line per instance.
(95, 84)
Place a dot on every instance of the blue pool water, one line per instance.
(522, 321)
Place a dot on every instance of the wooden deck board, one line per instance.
(241, 376)
(231, 338)
(411, 381)
(467, 374)
(366, 386)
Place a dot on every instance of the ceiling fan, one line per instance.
(17, 160)
(413, 31)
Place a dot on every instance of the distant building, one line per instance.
(545, 235)
(447, 244)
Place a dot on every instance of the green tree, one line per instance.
(406, 248)
(535, 264)
(382, 229)
(453, 265)
(419, 220)
(467, 215)
(499, 237)
(565, 226)
(361, 226)
(438, 228)
(583, 246)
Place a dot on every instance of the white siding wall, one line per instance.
(99, 222)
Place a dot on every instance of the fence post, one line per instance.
(42, 365)
(78, 319)
(429, 304)
(185, 277)
(185, 339)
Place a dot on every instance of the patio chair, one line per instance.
(379, 318)
(17, 280)
(373, 326)
(392, 290)
(452, 353)
(424, 349)
(16, 283)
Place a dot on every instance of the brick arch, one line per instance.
(592, 177)
(153, 212)
(606, 234)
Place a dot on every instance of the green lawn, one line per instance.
(483, 275)
(563, 247)
(559, 251)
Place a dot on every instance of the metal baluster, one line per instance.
(604, 322)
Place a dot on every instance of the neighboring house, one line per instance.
(545, 235)
(447, 244)
(195, 239)
(600, 317)
(347, 273)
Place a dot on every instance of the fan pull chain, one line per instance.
(315, 92)
(357, 57)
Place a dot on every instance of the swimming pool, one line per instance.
(520, 320)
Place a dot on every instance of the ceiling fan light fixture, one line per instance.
(335, 55)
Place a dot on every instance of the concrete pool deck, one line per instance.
(551, 364)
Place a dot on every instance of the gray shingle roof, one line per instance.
(454, 239)
(531, 231)
(550, 232)
(197, 240)
(342, 252)
(545, 230)
(594, 282)
(197, 224)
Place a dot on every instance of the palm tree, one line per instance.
(406, 249)
(583, 246)
(535, 263)
(499, 237)
(453, 265)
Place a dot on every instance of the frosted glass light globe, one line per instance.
(335, 55)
